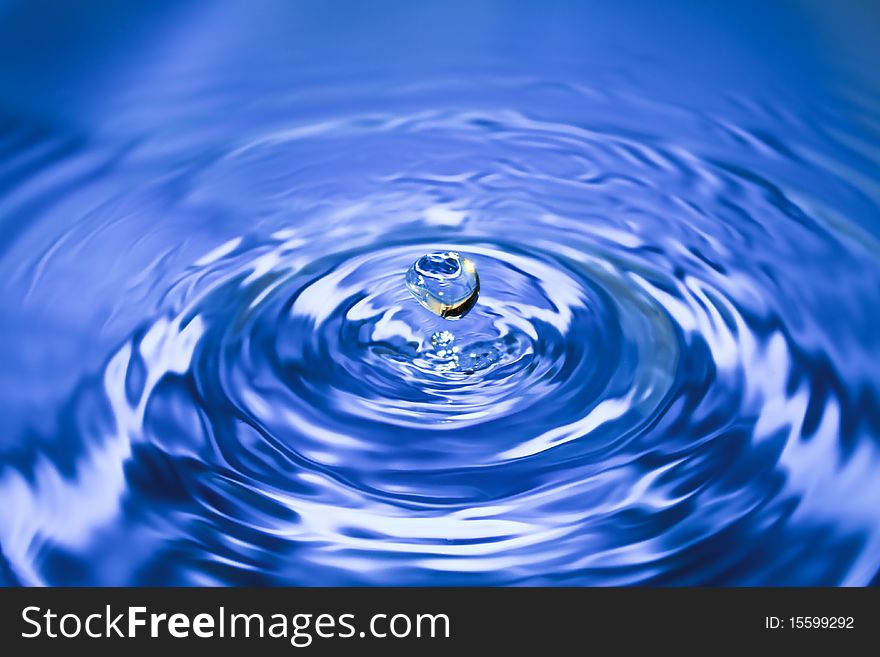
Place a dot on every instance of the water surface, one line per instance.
(213, 371)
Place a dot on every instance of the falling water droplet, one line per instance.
(445, 283)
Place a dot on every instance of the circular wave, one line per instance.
(660, 369)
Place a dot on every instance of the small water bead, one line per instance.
(442, 339)
(444, 355)
(445, 283)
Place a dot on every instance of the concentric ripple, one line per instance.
(669, 376)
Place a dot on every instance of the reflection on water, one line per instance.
(216, 373)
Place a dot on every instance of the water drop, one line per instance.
(445, 283)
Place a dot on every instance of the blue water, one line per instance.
(213, 371)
